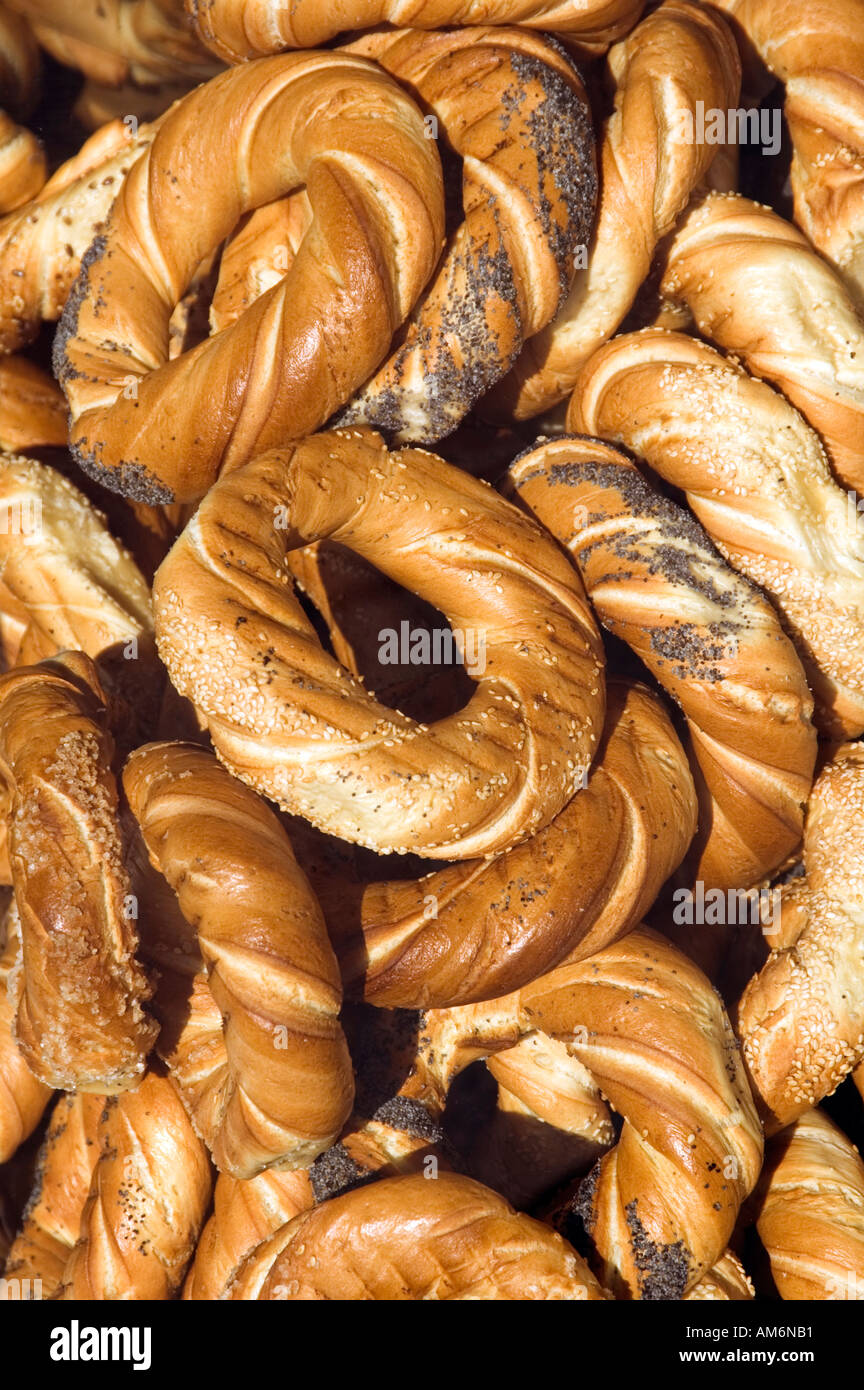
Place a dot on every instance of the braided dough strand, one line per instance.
(294, 724)
(357, 141)
(23, 168)
(240, 29)
(817, 49)
(757, 478)
(514, 109)
(710, 638)
(801, 1018)
(79, 992)
(756, 287)
(148, 1197)
(680, 54)
(23, 1097)
(279, 1088)
(480, 929)
(811, 1211)
(450, 1238)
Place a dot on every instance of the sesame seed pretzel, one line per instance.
(801, 1018)
(357, 141)
(78, 994)
(292, 722)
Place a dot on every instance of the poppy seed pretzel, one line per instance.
(757, 478)
(710, 638)
(289, 720)
(374, 181)
(276, 1086)
(680, 55)
(237, 30)
(513, 108)
(79, 991)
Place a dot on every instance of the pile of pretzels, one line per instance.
(335, 337)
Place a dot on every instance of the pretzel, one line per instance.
(271, 1084)
(811, 1211)
(681, 53)
(727, 1282)
(240, 29)
(23, 169)
(705, 633)
(514, 109)
(357, 142)
(49, 1227)
(483, 928)
(144, 42)
(148, 1197)
(23, 1097)
(818, 51)
(450, 1238)
(479, 781)
(801, 1018)
(757, 478)
(42, 244)
(78, 996)
(756, 287)
(660, 1206)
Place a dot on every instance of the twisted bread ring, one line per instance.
(801, 1018)
(757, 478)
(756, 287)
(450, 1238)
(290, 720)
(244, 1214)
(23, 169)
(357, 141)
(240, 29)
(811, 1211)
(481, 929)
(708, 636)
(681, 53)
(514, 109)
(49, 1227)
(818, 51)
(23, 1097)
(144, 42)
(42, 244)
(79, 1022)
(650, 1029)
(278, 1089)
(149, 1194)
